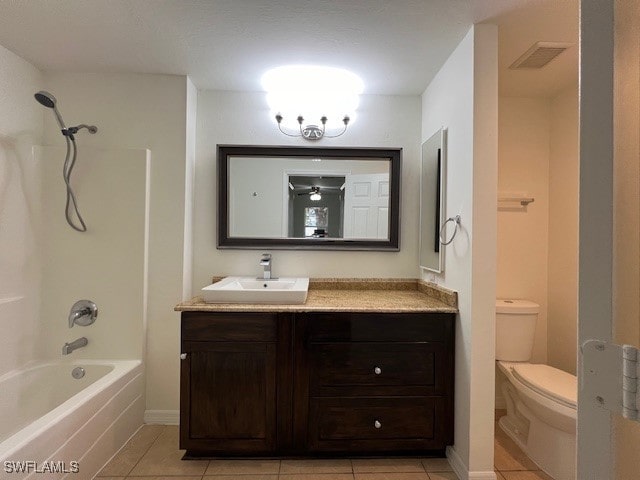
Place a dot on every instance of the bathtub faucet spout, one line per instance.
(67, 348)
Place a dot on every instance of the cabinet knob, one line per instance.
(377, 370)
(377, 424)
(183, 356)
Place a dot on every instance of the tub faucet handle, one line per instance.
(83, 313)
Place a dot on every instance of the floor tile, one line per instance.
(436, 465)
(243, 467)
(374, 465)
(314, 476)
(132, 452)
(537, 475)
(171, 477)
(506, 459)
(316, 466)
(164, 458)
(508, 456)
(262, 476)
(153, 454)
(392, 476)
(442, 476)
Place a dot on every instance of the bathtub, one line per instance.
(55, 426)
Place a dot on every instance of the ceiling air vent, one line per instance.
(540, 54)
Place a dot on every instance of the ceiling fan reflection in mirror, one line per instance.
(314, 194)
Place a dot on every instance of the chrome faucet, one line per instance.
(67, 348)
(265, 261)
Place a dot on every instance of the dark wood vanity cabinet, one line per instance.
(374, 383)
(228, 383)
(316, 383)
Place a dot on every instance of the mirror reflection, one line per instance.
(308, 198)
(281, 196)
(316, 206)
(432, 195)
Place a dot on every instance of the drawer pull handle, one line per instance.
(377, 370)
(183, 356)
(377, 424)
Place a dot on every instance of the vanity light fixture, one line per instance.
(330, 95)
(312, 132)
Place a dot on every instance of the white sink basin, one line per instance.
(253, 290)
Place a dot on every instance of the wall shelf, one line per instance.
(524, 201)
(515, 201)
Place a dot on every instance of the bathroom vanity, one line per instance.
(349, 372)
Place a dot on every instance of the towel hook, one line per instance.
(456, 223)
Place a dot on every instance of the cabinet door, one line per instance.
(228, 397)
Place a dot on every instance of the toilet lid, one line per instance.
(548, 381)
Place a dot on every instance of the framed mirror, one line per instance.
(432, 200)
(331, 198)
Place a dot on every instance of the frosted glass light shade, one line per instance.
(312, 92)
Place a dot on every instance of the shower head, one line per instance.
(46, 99)
(49, 101)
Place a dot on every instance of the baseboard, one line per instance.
(482, 476)
(462, 471)
(162, 417)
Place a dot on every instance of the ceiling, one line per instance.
(395, 46)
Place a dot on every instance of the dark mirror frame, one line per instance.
(227, 152)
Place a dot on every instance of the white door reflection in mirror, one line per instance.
(366, 206)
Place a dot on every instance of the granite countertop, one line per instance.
(350, 295)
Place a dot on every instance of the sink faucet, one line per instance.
(265, 261)
(67, 348)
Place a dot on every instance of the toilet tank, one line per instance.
(515, 329)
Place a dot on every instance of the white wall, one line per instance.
(564, 164)
(523, 166)
(143, 112)
(107, 263)
(463, 97)
(189, 179)
(20, 262)
(243, 118)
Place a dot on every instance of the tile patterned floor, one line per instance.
(152, 454)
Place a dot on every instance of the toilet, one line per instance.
(541, 400)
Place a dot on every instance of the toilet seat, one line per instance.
(557, 385)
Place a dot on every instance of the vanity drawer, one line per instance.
(377, 368)
(379, 327)
(376, 424)
(229, 327)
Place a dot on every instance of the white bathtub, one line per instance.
(51, 422)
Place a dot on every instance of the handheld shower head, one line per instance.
(46, 99)
(49, 101)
